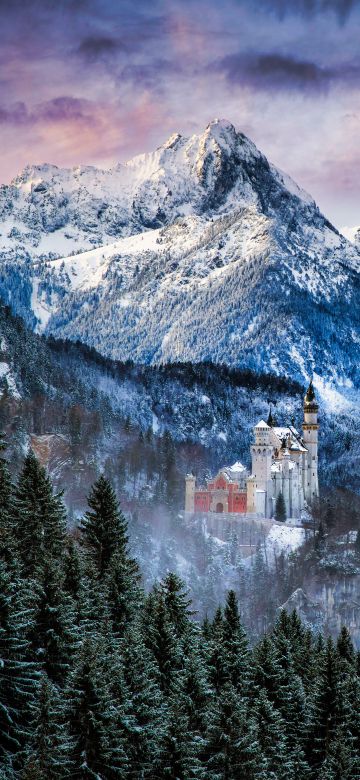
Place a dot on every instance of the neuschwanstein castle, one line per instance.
(283, 461)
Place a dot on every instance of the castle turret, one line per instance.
(310, 429)
(261, 484)
(190, 493)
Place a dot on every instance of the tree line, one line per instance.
(100, 680)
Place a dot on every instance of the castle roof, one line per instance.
(262, 425)
(295, 444)
(232, 473)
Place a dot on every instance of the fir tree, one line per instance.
(325, 708)
(104, 527)
(237, 659)
(39, 517)
(162, 641)
(177, 603)
(17, 673)
(179, 759)
(267, 670)
(280, 509)
(147, 713)
(6, 529)
(271, 735)
(216, 662)
(48, 753)
(90, 713)
(122, 589)
(72, 571)
(233, 749)
(53, 633)
(345, 647)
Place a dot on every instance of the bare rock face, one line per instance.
(311, 613)
(329, 604)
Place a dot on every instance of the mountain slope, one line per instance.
(201, 250)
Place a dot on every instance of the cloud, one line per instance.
(59, 109)
(95, 47)
(16, 114)
(284, 72)
(308, 8)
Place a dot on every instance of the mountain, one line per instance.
(202, 250)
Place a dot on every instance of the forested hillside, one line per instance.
(146, 426)
(100, 680)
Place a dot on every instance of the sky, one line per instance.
(98, 81)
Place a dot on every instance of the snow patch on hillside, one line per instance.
(284, 538)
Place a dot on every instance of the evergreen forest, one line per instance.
(101, 680)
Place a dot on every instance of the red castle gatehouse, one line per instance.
(224, 493)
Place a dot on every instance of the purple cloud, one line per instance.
(60, 109)
(283, 72)
(99, 47)
(308, 8)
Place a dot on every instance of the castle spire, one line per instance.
(270, 419)
(310, 403)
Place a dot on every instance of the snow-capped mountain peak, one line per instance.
(200, 249)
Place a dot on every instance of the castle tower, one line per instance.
(310, 429)
(190, 493)
(261, 484)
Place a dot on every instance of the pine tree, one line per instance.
(17, 674)
(177, 603)
(123, 593)
(280, 509)
(291, 701)
(90, 713)
(147, 712)
(104, 527)
(267, 670)
(325, 707)
(53, 632)
(48, 753)
(72, 571)
(39, 517)
(271, 735)
(235, 645)
(162, 641)
(6, 530)
(341, 762)
(345, 647)
(216, 661)
(179, 749)
(196, 692)
(232, 744)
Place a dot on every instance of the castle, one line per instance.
(283, 462)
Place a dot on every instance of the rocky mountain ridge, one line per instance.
(200, 250)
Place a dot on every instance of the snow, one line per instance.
(6, 373)
(41, 310)
(350, 232)
(155, 424)
(291, 185)
(236, 467)
(284, 538)
(333, 400)
(262, 424)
